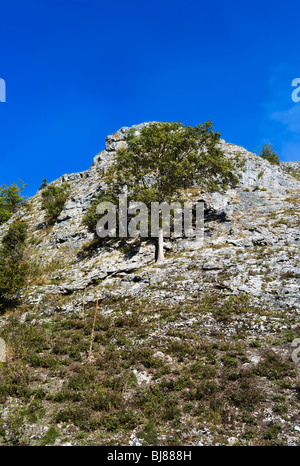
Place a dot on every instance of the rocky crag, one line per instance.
(263, 211)
(250, 253)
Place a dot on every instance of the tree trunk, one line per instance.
(160, 251)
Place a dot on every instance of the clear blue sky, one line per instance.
(78, 70)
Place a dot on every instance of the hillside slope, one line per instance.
(108, 347)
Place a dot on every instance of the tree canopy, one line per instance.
(268, 153)
(166, 157)
(161, 160)
(13, 267)
(10, 198)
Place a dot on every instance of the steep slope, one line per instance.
(205, 338)
(263, 211)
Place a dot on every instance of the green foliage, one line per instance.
(49, 437)
(13, 267)
(80, 416)
(245, 394)
(14, 382)
(10, 198)
(174, 156)
(13, 240)
(149, 433)
(43, 184)
(204, 381)
(91, 218)
(12, 428)
(272, 432)
(268, 153)
(274, 367)
(5, 214)
(54, 199)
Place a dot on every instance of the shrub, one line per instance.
(274, 367)
(245, 395)
(268, 153)
(91, 217)
(78, 415)
(103, 400)
(43, 184)
(13, 267)
(10, 199)
(49, 437)
(54, 199)
(272, 432)
(149, 434)
(14, 379)
(15, 238)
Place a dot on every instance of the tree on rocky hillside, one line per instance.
(53, 200)
(165, 158)
(13, 267)
(10, 199)
(268, 153)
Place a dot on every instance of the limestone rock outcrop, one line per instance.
(262, 212)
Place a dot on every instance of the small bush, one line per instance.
(15, 238)
(268, 153)
(91, 217)
(54, 199)
(78, 415)
(245, 395)
(149, 434)
(10, 199)
(13, 267)
(274, 367)
(14, 382)
(104, 400)
(272, 432)
(49, 437)
(43, 184)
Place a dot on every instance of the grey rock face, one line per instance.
(291, 168)
(261, 214)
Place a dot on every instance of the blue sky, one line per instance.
(78, 70)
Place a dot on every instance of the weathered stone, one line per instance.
(262, 212)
